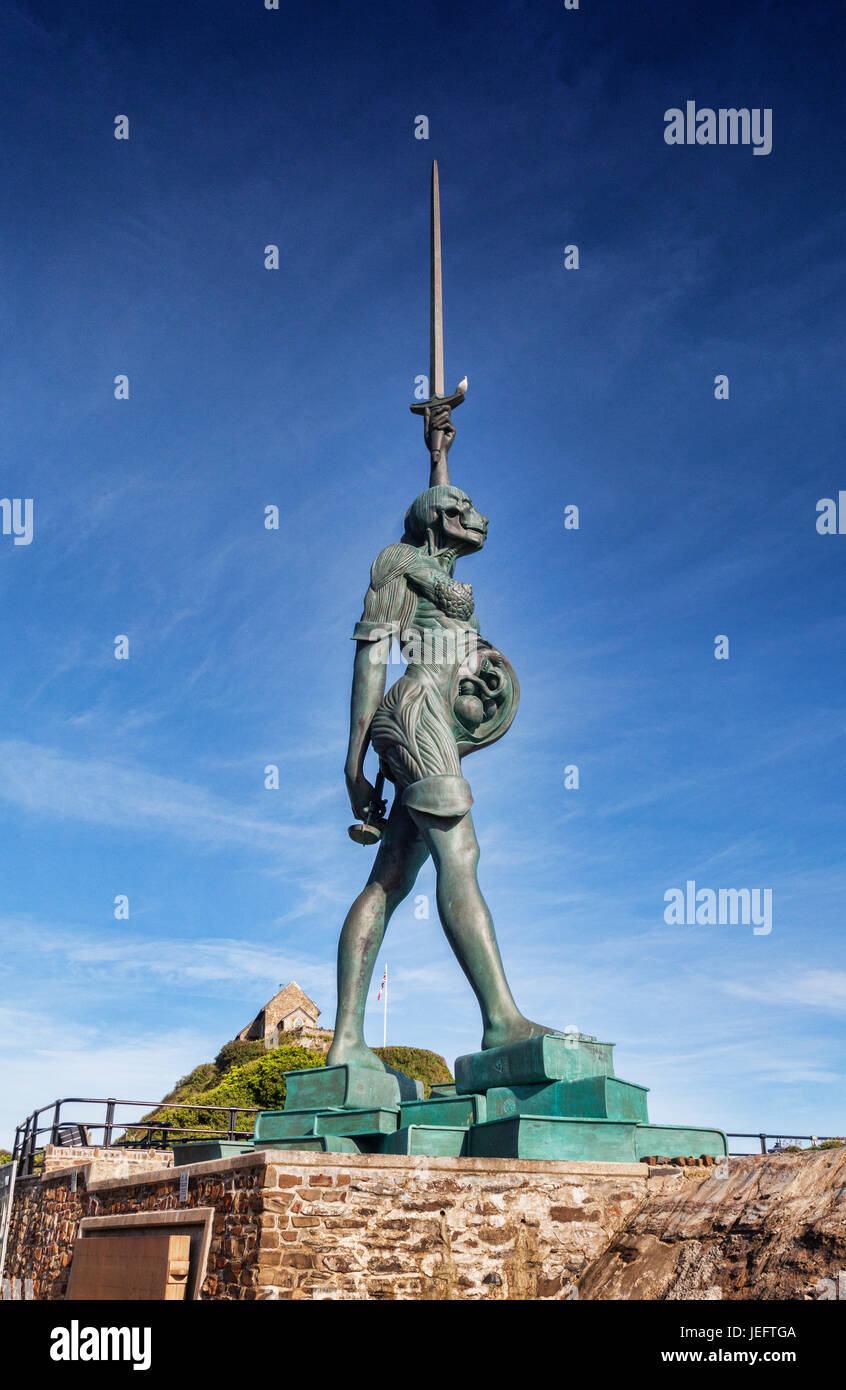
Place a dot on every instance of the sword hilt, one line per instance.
(437, 413)
(369, 831)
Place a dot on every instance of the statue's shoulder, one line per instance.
(393, 561)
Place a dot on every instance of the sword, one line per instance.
(436, 411)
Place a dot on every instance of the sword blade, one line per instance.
(436, 293)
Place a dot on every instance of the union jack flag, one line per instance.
(384, 985)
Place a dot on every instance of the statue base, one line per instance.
(550, 1097)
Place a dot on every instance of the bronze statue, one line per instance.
(459, 693)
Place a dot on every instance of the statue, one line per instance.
(458, 694)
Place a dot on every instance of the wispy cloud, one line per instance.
(48, 782)
(824, 990)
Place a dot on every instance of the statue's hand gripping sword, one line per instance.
(369, 831)
(438, 430)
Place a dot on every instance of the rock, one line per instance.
(775, 1228)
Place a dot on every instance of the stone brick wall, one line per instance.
(355, 1226)
(48, 1209)
(106, 1162)
(342, 1226)
(392, 1227)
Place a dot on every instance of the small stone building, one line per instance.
(289, 1011)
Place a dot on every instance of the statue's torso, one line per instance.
(458, 692)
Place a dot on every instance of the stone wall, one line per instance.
(350, 1226)
(106, 1163)
(297, 1225)
(48, 1209)
(394, 1227)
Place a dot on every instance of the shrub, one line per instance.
(418, 1063)
(200, 1079)
(259, 1082)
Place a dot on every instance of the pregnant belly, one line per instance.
(482, 698)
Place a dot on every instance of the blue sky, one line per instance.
(251, 387)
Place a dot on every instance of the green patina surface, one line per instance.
(444, 1110)
(286, 1124)
(550, 1097)
(550, 1057)
(273, 1125)
(319, 1143)
(442, 1088)
(379, 1121)
(591, 1097)
(346, 1087)
(679, 1141)
(435, 1141)
(205, 1149)
(610, 1141)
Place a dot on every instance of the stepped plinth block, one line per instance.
(609, 1141)
(355, 1122)
(276, 1125)
(435, 1141)
(201, 1150)
(409, 1088)
(314, 1143)
(680, 1141)
(347, 1088)
(285, 1124)
(549, 1057)
(591, 1097)
(444, 1110)
(546, 1136)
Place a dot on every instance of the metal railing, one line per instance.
(27, 1145)
(780, 1139)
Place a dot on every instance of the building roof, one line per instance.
(290, 998)
(278, 1008)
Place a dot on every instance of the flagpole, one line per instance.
(385, 1014)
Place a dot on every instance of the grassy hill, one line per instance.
(246, 1074)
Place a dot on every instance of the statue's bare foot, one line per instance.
(354, 1053)
(517, 1029)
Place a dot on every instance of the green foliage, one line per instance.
(201, 1078)
(418, 1063)
(258, 1082)
(832, 1144)
(5, 1156)
(246, 1074)
(236, 1053)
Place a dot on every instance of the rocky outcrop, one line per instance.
(773, 1228)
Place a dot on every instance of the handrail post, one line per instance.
(763, 1139)
(231, 1134)
(54, 1131)
(110, 1120)
(20, 1143)
(33, 1136)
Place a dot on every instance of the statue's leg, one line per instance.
(469, 927)
(401, 854)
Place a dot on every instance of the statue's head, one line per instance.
(445, 515)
